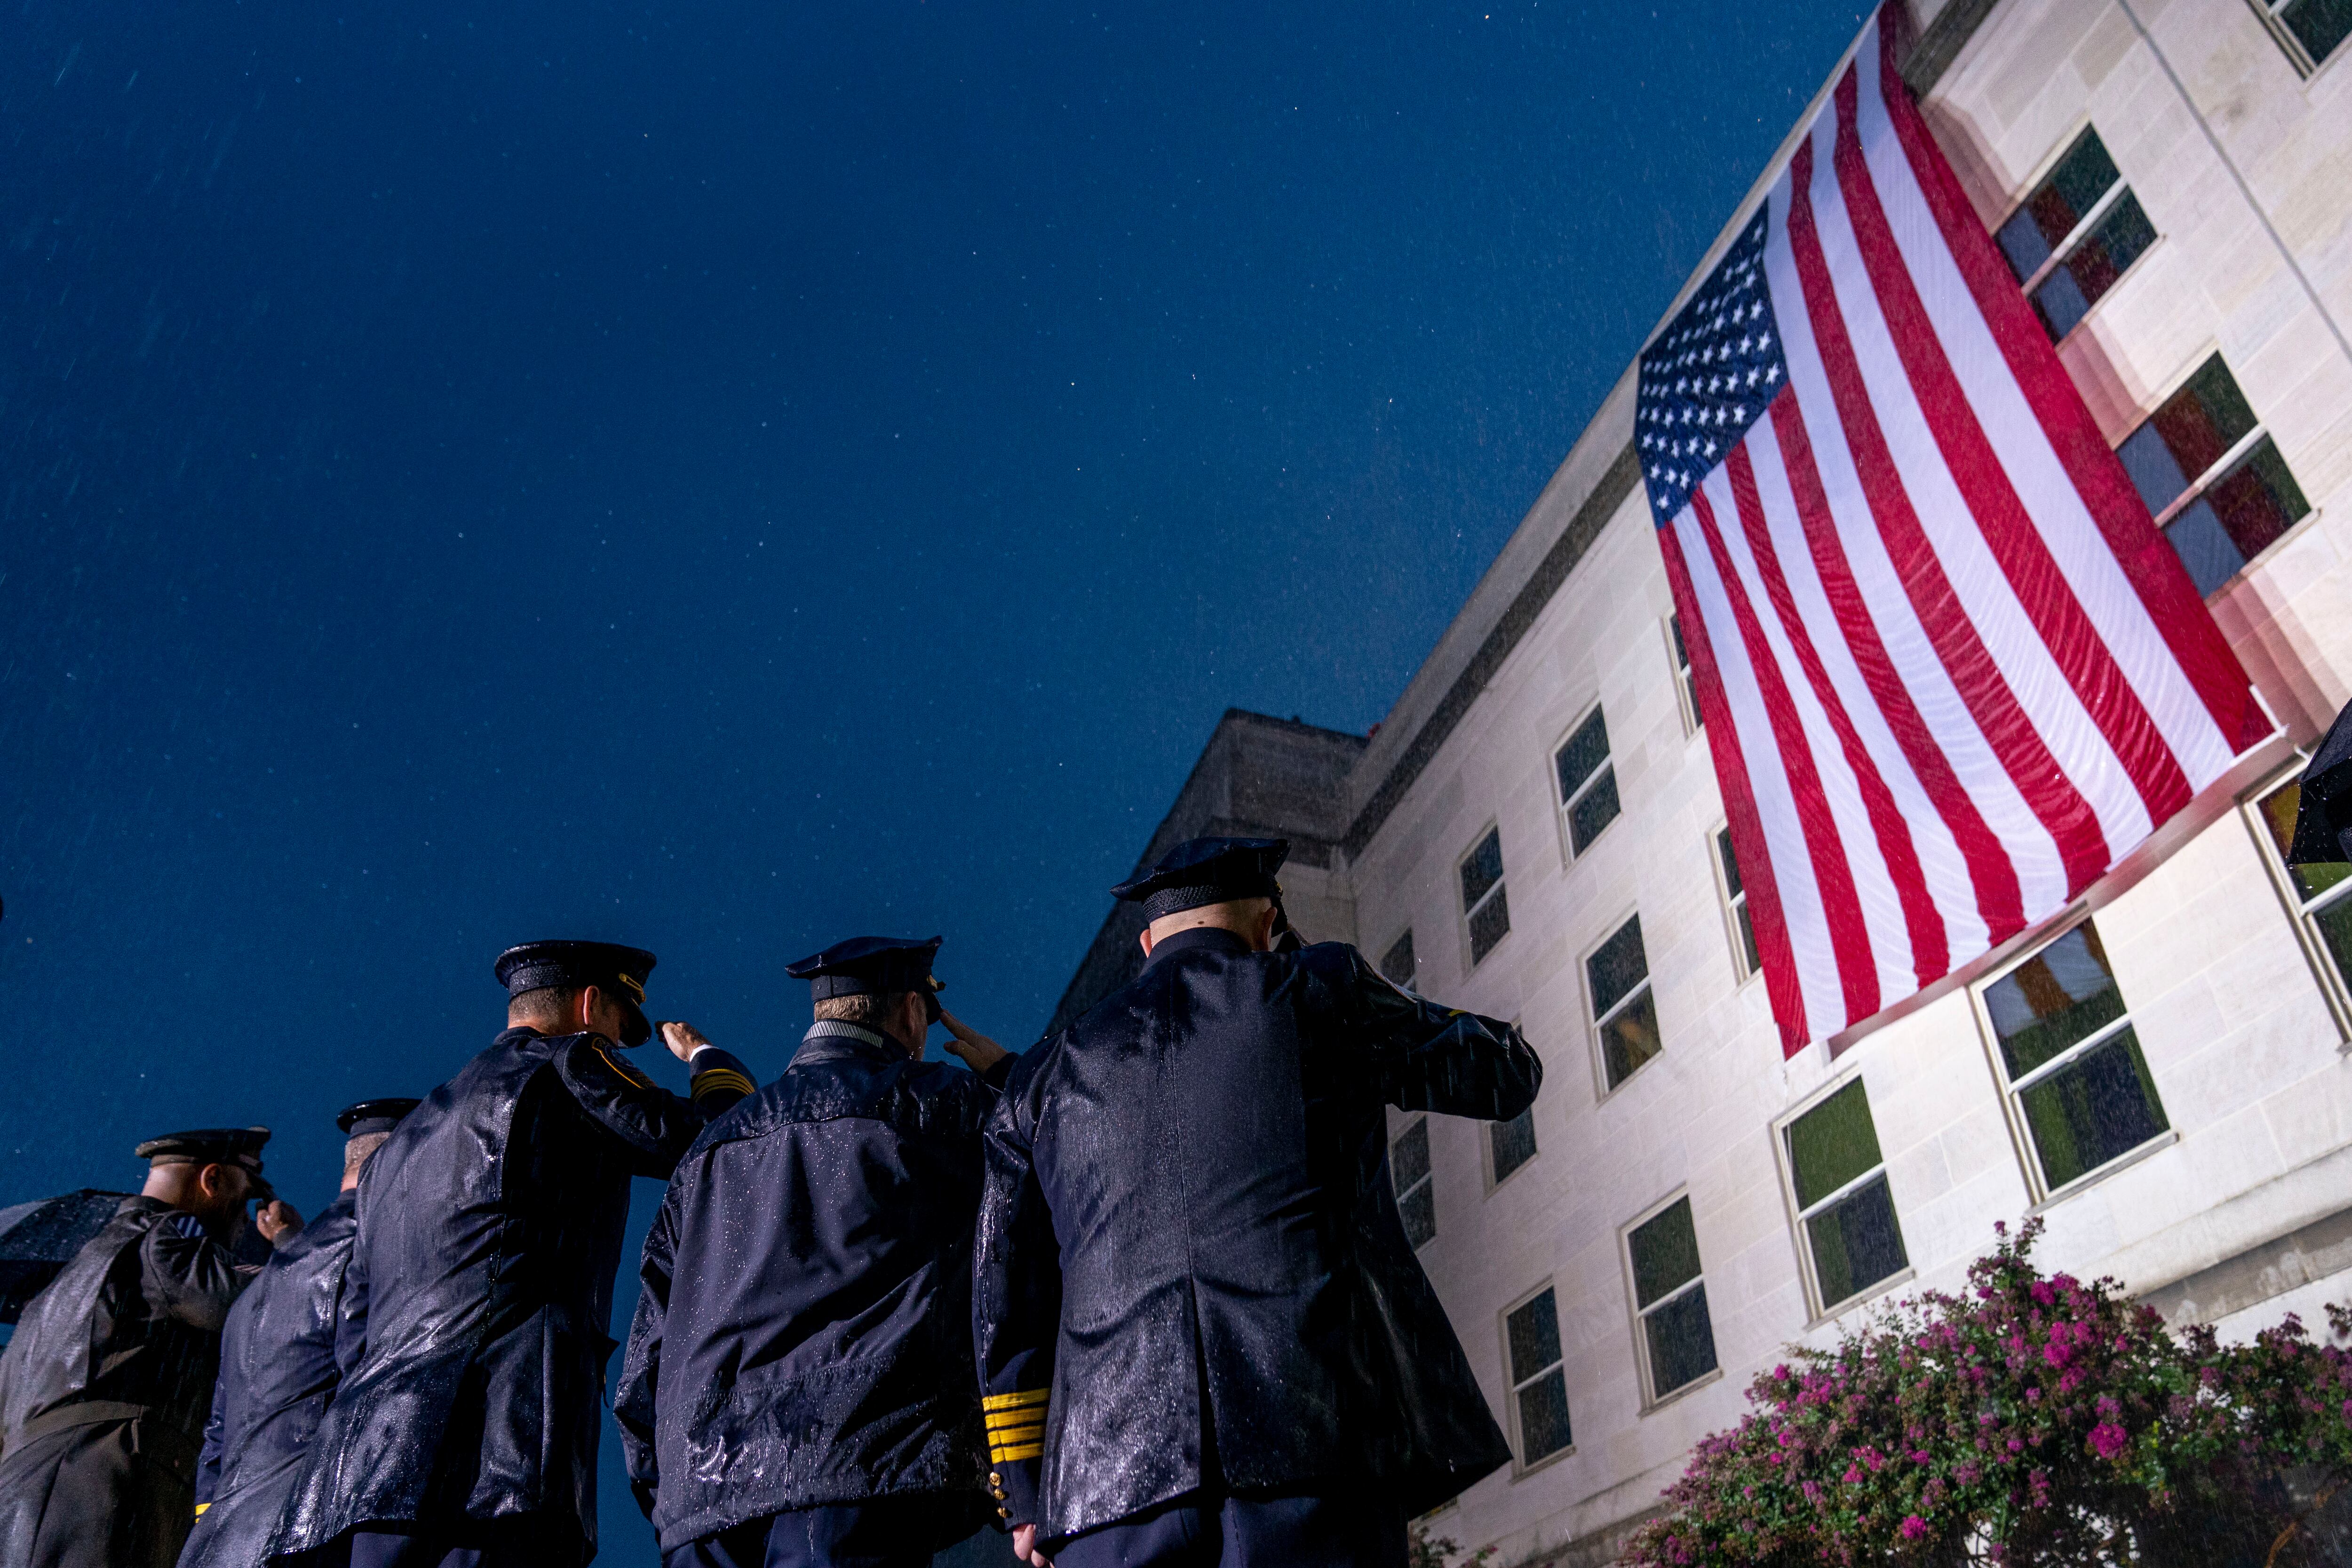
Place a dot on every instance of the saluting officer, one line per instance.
(464, 1428)
(104, 1388)
(278, 1366)
(799, 1387)
(1204, 1335)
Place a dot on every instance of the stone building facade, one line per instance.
(1535, 831)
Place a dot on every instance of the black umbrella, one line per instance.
(2323, 813)
(38, 1240)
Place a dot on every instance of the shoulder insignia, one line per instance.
(628, 1074)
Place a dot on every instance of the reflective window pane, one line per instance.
(1514, 1142)
(1629, 1038)
(1533, 1330)
(1418, 1209)
(2093, 266)
(1833, 1144)
(2058, 204)
(1665, 1252)
(1586, 751)
(1490, 923)
(1408, 1156)
(2319, 25)
(1855, 1242)
(2096, 1108)
(2059, 996)
(1681, 1341)
(1397, 964)
(1617, 967)
(1730, 863)
(1543, 1417)
(1483, 869)
(1595, 809)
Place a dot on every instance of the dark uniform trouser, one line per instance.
(1207, 1529)
(885, 1534)
(504, 1543)
(96, 1486)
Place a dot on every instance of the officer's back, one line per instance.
(802, 1351)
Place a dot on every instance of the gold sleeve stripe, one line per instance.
(721, 1078)
(1008, 1456)
(1011, 1429)
(1015, 1401)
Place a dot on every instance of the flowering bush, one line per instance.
(2029, 1420)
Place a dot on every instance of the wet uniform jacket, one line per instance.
(1190, 1268)
(805, 1333)
(277, 1371)
(103, 1392)
(479, 1297)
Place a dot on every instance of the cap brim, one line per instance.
(635, 1030)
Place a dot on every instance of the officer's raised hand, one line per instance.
(278, 1221)
(977, 1051)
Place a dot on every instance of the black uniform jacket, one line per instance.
(1190, 1268)
(277, 1371)
(473, 1333)
(129, 1332)
(805, 1333)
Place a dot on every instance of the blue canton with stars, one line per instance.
(1709, 378)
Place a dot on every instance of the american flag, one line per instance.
(1949, 671)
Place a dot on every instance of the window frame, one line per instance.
(1561, 804)
(1646, 1380)
(1520, 1464)
(1428, 1178)
(2222, 468)
(1496, 1183)
(1594, 1023)
(1785, 1156)
(1685, 674)
(2021, 1132)
(2272, 14)
(1471, 956)
(1718, 839)
(1404, 939)
(2088, 225)
(2334, 988)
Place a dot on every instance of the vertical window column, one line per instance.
(1398, 965)
(1852, 1238)
(1484, 903)
(1685, 683)
(2075, 234)
(1670, 1297)
(2322, 893)
(2212, 476)
(1624, 1017)
(1539, 1385)
(1735, 906)
(1588, 784)
(2308, 30)
(2072, 1063)
(1416, 1193)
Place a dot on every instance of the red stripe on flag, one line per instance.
(2047, 791)
(2148, 560)
(1990, 870)
(1748, 844)
(1930, 955)
(2059, 619)
(1840, 905)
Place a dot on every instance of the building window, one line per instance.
(1622, 1010)
(1513, 1142)
(1677, 1339)
(1416, 1194)
(2213, 477)
(1481, 896)
(1685, 683)
(2322, 893)
(1539, 1385)
(2308, 30)
(1588, 784)
(2075, 234)
(1852, 1238)
(1397, 963)
(1735, 906)
(2072, 1061)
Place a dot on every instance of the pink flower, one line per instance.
(1914, 1527)
(2109, 1440)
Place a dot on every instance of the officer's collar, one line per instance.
(1197, 939)
(830, 1039)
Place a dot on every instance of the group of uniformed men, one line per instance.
(1139, 1295)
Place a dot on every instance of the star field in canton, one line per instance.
(1710, 377)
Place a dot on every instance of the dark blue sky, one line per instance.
(725, 478)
